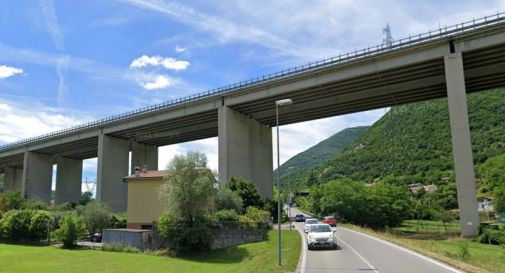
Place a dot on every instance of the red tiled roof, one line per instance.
(147, 174)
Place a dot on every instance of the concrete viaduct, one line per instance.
(449, 62)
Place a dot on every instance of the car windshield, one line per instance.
(329, 217)
(320, 228)
(311, 221)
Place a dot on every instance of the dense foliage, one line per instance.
(188, 189)
(377, 206)
(72, 228)
(227, 199)
(96, 215)
(227, 215)
(11, 200)
(25, 226)
(412, 143)
(320, 153)
(246, 190)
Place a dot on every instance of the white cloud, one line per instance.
(9, 71)
(29, 119)
(180, 49)
(52, 22)
(296, 34)
(158, 82)
(167, 63)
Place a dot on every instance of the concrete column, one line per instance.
(245, 150)
(112, 168)
(143, 154)
(68, 180)
(13, 179)
(37, 176)
(461, 145)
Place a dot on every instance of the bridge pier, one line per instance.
(68, 180)
(245, 150)
(143, 154)
(112, 168)
(37, 176)
(461, 145)
(13, 178)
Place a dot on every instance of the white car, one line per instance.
(308, 223)
(321, 235)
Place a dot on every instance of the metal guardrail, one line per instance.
(298, 70)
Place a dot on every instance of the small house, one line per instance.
(144, 206)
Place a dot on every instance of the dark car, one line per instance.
(299, 218)
(96, 238)
(330, 220)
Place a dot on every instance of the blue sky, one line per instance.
(67, 62)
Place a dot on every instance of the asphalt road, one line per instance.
(360, 253)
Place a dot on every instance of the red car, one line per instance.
(330, 220)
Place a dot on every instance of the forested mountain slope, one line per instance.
(412, 143)
(323, 151)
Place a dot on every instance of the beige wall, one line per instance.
(144, 206)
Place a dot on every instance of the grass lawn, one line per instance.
(423, 226)
(254, 257)
(482, 258)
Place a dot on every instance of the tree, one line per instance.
(227, 199)
(12, 200)
(96, 215)
(312, 180)
(188, 188)
(499, 201)
(71, 229)
(86, 197)
(246, 190)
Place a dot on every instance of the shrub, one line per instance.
(39, 225)
(36, 205)
(226, 199)
(15, 225)
(63, 207)
(246, 190)
(118, 221)
(185, 237)
(71, 229)
(226, 216)
(13, 200)
(257, 215)
(492, 236)
(96, 215)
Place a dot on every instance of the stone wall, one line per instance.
(229, 237)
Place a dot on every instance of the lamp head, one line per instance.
(283, 102)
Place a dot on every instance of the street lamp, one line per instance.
(290, 202)
(278, 104)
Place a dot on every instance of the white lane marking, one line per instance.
(408, 251)
(304, 255)
(359, 255)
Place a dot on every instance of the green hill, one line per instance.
(321, 152)
(412, 143)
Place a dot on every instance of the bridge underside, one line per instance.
(242, 119)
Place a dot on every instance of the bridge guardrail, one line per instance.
(442, 32)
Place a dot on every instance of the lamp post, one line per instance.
(278, 104)
(290, 202)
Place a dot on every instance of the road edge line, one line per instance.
(439, 263)
(302, 263)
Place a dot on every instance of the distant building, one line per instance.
(485, 203)
(415, 187)
(144, 206)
